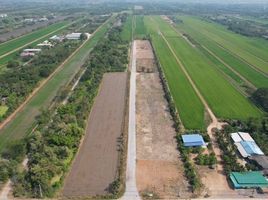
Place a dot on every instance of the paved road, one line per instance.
(131, 192)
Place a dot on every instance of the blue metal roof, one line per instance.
(251, 148)
(193, 140)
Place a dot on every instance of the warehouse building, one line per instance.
(193, 140)
(253, 179)
(245, 144)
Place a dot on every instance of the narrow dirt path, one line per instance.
(131, 192)
(43, 82)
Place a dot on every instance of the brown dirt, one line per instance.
(96, 164)
(159, 169)
(145, 56)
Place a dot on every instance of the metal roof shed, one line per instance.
(246, 136)
(236, 137)
(192, 140)
(252, 179)
(251, 148)
(241, 150)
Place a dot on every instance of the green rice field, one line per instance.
(189, 106)
(223, 98)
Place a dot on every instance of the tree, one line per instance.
(83, 36)
(260, 97)
(12, 64)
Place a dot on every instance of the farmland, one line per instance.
(188, 104)
(139, 30)
(96, 164)
(127, 29)
(256, 78)
(23, 121)
(10, 48)
(250, 50)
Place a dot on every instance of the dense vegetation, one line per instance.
(52, 146)
(260, 97)
(20, 80)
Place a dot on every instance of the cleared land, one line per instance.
(250, 50)
(248, 72)
(95, 166)
(159, 170)
(24, 120)
(222, 97)
(189, 106)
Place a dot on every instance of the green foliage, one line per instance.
(260, 97)
(53, 145)
(13, 64)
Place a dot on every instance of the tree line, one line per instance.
(53, 145)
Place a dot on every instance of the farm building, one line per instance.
(29, 52)
(75, 36)
(45, 44)
(192, 140)
(261, 161)
(245, 144)
(253, 179)
(57, 38)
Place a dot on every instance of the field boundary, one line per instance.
(43, 82)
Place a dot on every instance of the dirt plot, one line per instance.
(95, 166)
(159, 169)
(145, 56)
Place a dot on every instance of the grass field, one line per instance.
(24, 120)
(251, 50)
(16, 43)
(140, 30)
(190, 108)
(256, 78)
(222, 97)
(3, 110)
(127, 29)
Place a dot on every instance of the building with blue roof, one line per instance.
(193, 140)
(251, 148)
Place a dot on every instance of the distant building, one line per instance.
(43, 19)
(45, 44)
(57, 38)
(253, 179)
(193, 140)
(75, 36)
(245, 144)
(30, 52)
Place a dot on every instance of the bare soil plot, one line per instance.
(159, 169)
(95, 166)
(145, 56)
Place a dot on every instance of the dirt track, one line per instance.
(159, 170)
(95, 166)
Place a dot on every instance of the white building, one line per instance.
(75, 36)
